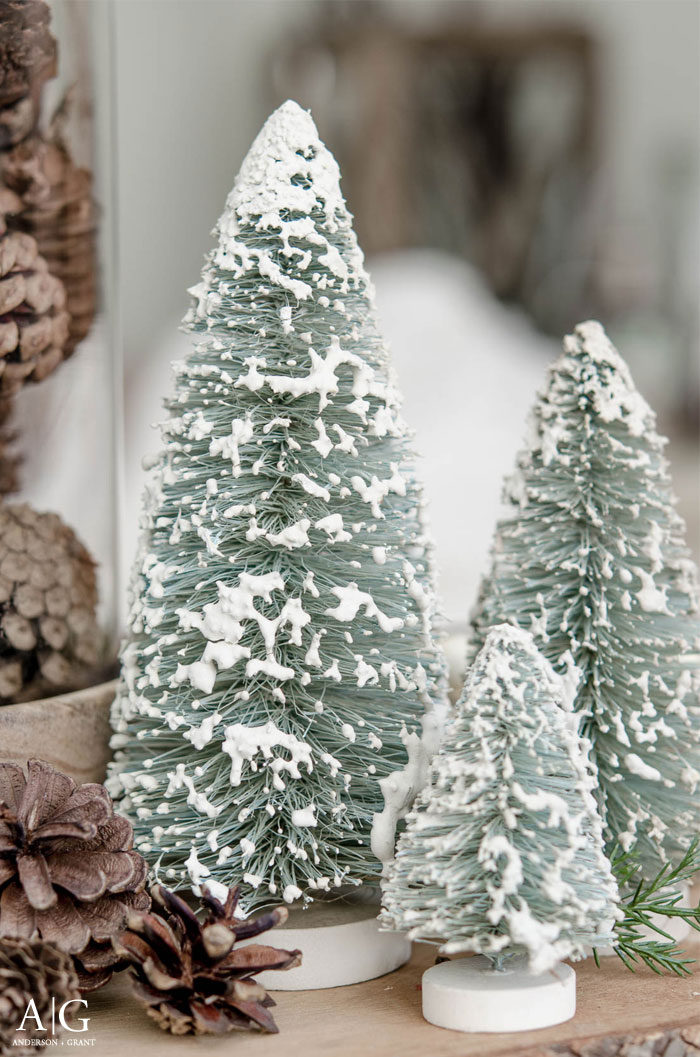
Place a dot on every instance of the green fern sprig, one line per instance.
(658, 898)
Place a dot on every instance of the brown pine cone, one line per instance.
(189, 974)
(58, 210)
(9, 459)
(33, 318)
(27, 60)
(32, 969)
(68, 871)
(49, 636)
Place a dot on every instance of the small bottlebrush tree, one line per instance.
(590, 557)
(503, 849)
(281, 684)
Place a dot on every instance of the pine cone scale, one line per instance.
(12, 783)
(89, 802)
(256, 1012)
(143, 990)
(217, 940)
(82, 878)
(185, 917)
(159, 936)
(9, 337)
(136, 949)
(90, 878)
(212, 1021)
(105, 917)
(12, 292)
(138, 875)
(159, 978)
(44, 792)
(115, 835)
(254, 926)
(98, 956)
(35, 880)
(63, 925)
(68, 831)
(92, 981)
(256, 957)
(17, 916)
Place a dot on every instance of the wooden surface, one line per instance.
(382, 1018)
(70, 731)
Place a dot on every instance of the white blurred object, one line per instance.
(468, 368)
(66, 437)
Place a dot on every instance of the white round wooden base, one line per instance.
(468, 995)
(340, 944)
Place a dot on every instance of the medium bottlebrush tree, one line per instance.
(281, 684)
(503, 849)
(590, 557)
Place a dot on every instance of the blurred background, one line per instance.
(514, 167)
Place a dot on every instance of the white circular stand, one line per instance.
(468, 995)
(340, 944)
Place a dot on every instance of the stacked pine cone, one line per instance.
(49, 636)
(59, 212)
(48, 631)
(33, 318)
(68, 871)
(32, 971)
(54, 194)
(27, 60)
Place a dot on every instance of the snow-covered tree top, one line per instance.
(506, 649)
(603, 380)
(287, 197)
(287, 169)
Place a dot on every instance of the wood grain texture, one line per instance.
(70, 731)
(619, 1015)
(677, 1042)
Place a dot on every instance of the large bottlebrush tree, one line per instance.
(281, 685)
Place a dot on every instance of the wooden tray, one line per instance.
(656, 1015)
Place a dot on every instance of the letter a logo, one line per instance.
(31, 1013)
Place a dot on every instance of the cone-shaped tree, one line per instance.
(503, 849)
(280, 660)
(590, 557)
